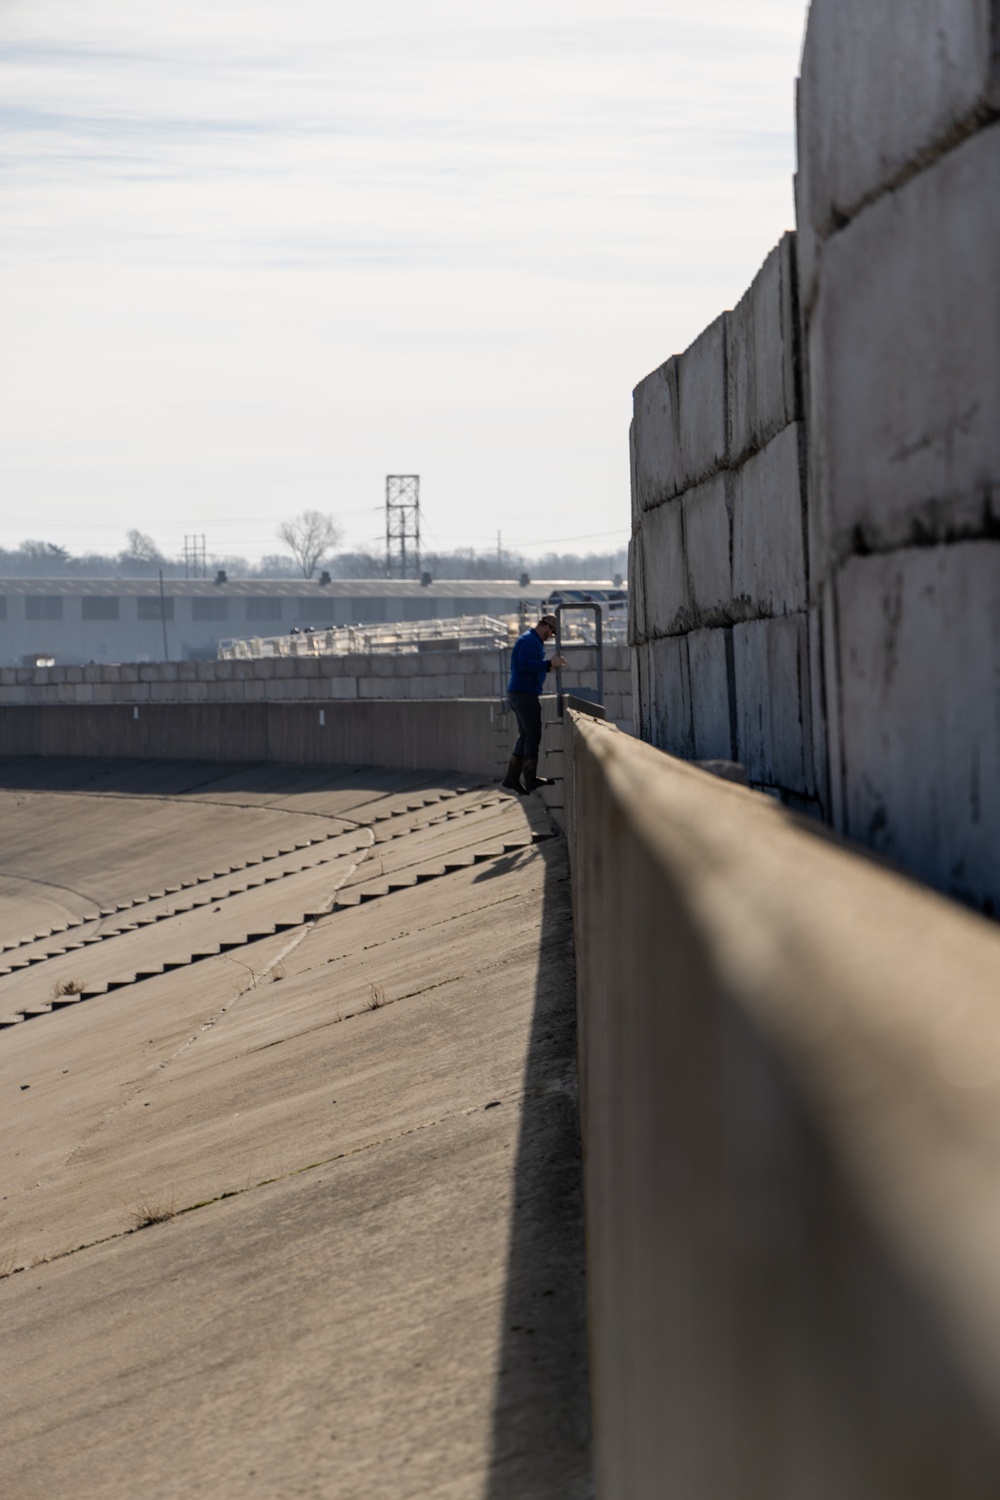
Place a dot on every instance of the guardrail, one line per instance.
(462, 633)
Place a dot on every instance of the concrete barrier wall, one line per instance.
(815, 560)
(432, 674)
(467, 735)
(790, 1098)
(718, 561)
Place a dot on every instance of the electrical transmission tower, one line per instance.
(195, 562)
(402, 525)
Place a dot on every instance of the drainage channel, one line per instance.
(132, 904)
(450, 866)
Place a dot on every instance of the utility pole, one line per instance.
(402, 525)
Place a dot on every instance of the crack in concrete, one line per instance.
(47, 1257)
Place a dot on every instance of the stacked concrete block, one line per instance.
(719, 536)
(899, 218)
(885, 88)
(709, 672)
(707, 523)
(920, 705)
(769, 535)
(764, 391)
(911, 434)
(434, 675)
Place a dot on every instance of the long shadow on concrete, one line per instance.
(541, 1422)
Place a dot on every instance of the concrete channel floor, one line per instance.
(346, 1099)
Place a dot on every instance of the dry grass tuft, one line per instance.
(68, 987)
(376, 999)
(147, 1210)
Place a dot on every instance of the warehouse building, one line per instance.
(73, 621)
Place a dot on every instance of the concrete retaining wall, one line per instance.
(790, 1097)
(466, 735)
(899, 211)
(845, 537)
(432, 674)
(718, 559)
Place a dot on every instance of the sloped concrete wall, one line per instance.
(815, 593)
(718, 558)
(790, 1102)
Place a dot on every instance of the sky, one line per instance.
(255, 257)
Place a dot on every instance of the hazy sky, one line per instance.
(255, 257)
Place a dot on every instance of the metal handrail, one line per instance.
(598, 646)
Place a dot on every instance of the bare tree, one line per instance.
(308, 537)
(141, 548)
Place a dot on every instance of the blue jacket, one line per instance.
(528, 666)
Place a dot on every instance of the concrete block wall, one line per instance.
(836, 496)
(718, 563)
(427, 675)
(898, 200)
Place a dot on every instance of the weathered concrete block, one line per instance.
(92, 672)
(711, 718)
(920, 706)
(763, 355)
(581, 658)
(769, 549)
(656, 439)
(633, 480)
(83, 692)
(484, 685)
(702, 404)
(640, 692)
(127, 672)
(333, 666)
(708, 550)
(75, 674)
(665, 582)
(771, 665)
(441, 685)
(882, 87)
(188, 671)
(905, 362)
(668, 692)
(636, 591)
(386, 687)
(342, 687)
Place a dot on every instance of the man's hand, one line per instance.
(559, 661)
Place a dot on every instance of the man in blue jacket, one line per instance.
(528, 670)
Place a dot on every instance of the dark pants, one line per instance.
(528, 712)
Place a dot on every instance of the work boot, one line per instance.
(528, 777)
(512, 780)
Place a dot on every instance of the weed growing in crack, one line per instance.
(376, 998)
(147, 1210)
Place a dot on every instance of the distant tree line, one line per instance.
(141, 558)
